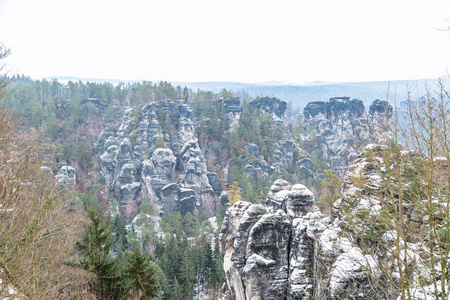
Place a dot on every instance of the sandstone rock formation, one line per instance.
(154, 156)
(232, 106)
(255, 165)
(380, 107)
(286, 249)
(271, 106)
(66, 176)
(256, 242)
(341, 125)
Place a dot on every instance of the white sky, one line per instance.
(245, 40)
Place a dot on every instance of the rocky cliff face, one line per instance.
(66, 175)
(340, 125)
(232, 108)
(251, 158)
(286, 249)
(154, 156)
(261, 252)
(271, 106)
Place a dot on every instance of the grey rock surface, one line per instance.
(286, 249)
(271, 106)
(338, 125)
(144, 158)
(232, 105)
(66, 176)
(255, 242)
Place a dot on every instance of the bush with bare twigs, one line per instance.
(37, 226)
(396, 204)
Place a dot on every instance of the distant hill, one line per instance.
(300, 95)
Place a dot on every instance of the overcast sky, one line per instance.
(208, 40)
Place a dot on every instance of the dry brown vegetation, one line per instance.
(404, 182)
(38, 227)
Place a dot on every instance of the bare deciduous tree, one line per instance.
(37, 225)
(396, 208)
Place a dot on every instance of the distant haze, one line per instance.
(300, 95)
(239, 41)
(394, 91)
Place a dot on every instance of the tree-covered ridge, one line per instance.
(130, 275)
(254, 126)
(71, 115)
(239, 134)
(193, 265)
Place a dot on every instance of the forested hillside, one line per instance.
(69, 118)
(151, 172)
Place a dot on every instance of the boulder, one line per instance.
(300, 201)
(47, 172)
(66, 176)
(252, 149)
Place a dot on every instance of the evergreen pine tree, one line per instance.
(187, 274)
(140, 276)
(95, 248)
(176, 291)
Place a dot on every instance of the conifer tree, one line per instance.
(95, 248)
(140, 276)
(176, 291)
(187, 274)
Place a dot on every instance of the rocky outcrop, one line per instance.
(286, 249)
(255, 165)
(380, 107)
(252, 161)
(66, 176)
(271, 106)
(335, 108)
(338, 125)
(47, 171)
(233, 109)
(256, 242)
(284, 153)
(232, 105)
(153, 155)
